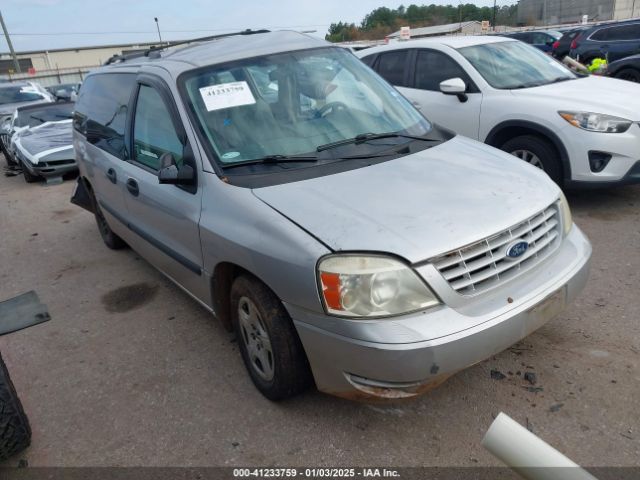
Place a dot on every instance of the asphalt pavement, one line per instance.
(130, 371)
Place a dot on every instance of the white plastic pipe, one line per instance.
(528, 455)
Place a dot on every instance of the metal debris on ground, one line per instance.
(21, 312)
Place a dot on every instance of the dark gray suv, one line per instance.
(612, 41)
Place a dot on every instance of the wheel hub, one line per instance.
(528, 157)
(256, 339)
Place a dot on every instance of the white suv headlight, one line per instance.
(565, 212)
(368, 286)
(597, 122)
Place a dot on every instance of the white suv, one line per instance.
(582, 131)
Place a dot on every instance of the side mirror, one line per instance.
(455, 86)
(171, 174)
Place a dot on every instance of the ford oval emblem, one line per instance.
(516, 249)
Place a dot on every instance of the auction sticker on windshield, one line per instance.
(227, 95)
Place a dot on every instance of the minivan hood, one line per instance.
(417, 206)
(591, 94)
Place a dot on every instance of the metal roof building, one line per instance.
(555, 12)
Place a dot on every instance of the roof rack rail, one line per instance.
(155, 48)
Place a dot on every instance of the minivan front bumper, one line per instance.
(359, 368)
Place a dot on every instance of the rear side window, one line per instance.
(540, 38)
(626, 32)
(153, 131)
(391, 66)
(433, 67)
(101, 111)
(369, 59)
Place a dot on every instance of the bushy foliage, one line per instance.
(382, 21)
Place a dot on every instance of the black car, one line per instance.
(612, 41)
(626, 69)
(541, 39)
(562, 47)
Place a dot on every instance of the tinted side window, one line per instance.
(369, 59)
(433, 67)
(153, 130)
(391, 66)
(601, 35)
(101, 110)
(626, 32)
(523, 37)
(539, 38)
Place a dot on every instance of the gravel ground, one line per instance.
(130, 371)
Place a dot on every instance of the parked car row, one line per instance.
(36, 132)
(347, 239)
(618, 43)
(582, 131)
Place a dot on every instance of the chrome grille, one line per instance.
(484, 264)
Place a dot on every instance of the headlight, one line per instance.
(565, 212)
(371, 286)
(597, 122)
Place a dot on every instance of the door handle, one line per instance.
(111, 175)
(132, 186)
(416, 105)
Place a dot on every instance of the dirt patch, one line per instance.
(63, 214)
(129, 297)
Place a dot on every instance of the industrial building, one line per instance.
(557, 12)
(63, 59)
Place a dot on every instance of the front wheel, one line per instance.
(630, 74)
(269, 344)
(28, 177)
(15, 432)
(538, 152)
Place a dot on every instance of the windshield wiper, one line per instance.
(540, 84)
(272, 159)
(38, 118)
(365, 137)
(561, 79)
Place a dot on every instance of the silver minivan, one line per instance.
(293, 192)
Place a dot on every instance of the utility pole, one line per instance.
(16, 64)
(158, 26)
(493, 22)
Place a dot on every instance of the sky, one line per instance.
(48, 24)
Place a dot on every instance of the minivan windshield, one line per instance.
(296, 103)
(510, 65)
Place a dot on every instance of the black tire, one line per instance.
(10, 161)
(15, 431)
(28, 177)
(630, 74)
(110, 239)
(543, 149)
(291, 374)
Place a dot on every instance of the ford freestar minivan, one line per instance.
(297, 196)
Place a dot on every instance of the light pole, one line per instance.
(16, 64)
(158, 27)
(494, 15)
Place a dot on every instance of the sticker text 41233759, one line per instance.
(227, 95)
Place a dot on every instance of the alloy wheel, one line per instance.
(256, 339)
(528, 157)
